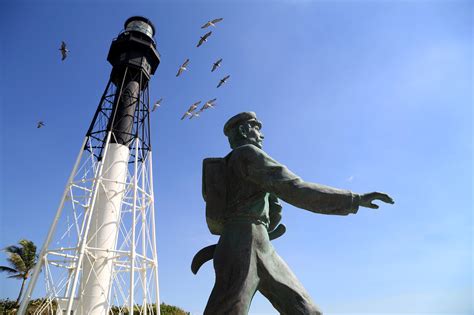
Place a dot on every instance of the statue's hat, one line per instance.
(239, 119)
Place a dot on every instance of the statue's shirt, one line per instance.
(255, 181)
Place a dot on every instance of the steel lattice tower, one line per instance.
(99, 256)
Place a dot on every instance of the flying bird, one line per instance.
(223, 80)
(208, 104)
(64, 50)
(190, 110)
(212, 23)
(204, 38)
(183, 67)
(40, 124)
(186, 114)
(157, 104)
(216, 65)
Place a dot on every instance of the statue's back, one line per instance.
(214, 192)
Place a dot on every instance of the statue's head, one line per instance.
(244, 128)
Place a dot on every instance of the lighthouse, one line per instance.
(100, 252)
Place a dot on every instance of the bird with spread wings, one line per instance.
(223, 80)
(183, 67)
(157, 104)
(64, 50)
(208, 104)
(204, 38)
(212, 23)
(216, 65)
(190, 111)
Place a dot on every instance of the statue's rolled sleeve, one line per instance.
(276, 178)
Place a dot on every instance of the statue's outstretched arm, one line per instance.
(276, 178)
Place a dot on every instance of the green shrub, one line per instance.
(9, 307)
(171, 310)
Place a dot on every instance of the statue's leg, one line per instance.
(281, 287)
(232, 299)
(236, 276)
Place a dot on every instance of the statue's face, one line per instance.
(254, 135)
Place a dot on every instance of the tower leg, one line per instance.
(52, 230)
(153, 231)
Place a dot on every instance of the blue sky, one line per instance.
(361, 95)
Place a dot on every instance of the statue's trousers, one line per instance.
(245, 261)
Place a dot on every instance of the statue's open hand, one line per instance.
(366, 199)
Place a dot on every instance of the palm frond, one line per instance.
(12, 249)
(16, 261)
(7, 269)
(28, 253)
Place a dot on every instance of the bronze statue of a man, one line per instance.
(241, 193)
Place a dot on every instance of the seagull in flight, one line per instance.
(183, 67)
(216, 65)
(223, 80)
(40, 124)
(204, 38)
(64, 50)
(208, 104)
(212, 23)
(157, 104)
(190, 110)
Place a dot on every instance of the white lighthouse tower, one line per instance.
(99, 256)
